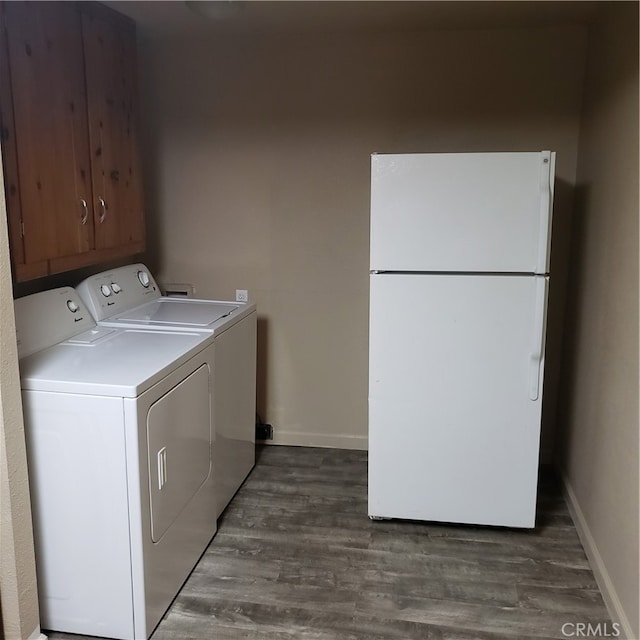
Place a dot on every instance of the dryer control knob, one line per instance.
(115, 287)
(105, 290)
(72, 305)
(143, 276)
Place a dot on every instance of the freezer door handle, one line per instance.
(537, 351)
(547, 172)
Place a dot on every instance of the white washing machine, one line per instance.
(119, 441)
(129, 297)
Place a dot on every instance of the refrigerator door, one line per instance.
(455, 397)
(461, 212)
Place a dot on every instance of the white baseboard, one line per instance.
(607, 588)
(36, 634)
(301, 439)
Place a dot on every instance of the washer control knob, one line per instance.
(72, 305)
(144, 279)
(105, 290)
(115, 287)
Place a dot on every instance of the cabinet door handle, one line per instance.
(85, 208)
(103, 210)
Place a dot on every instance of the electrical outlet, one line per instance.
(242, 295)
(264, 432)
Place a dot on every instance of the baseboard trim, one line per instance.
(36, 634)
(608, 590)
(300, 439)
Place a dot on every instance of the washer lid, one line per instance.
(188, 313)
(118, 362)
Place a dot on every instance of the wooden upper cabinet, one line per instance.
(112, 97)
(69, 137)
(44, 48)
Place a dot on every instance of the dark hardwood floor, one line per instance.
(296, 556)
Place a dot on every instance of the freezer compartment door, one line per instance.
(463, 212)
(455, 397)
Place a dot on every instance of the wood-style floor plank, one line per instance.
(296, 556)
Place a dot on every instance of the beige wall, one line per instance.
(257, 158)
(18, 590)
(258, 162)
(599, 456)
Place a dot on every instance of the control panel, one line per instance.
(49, 317)
(111, 292)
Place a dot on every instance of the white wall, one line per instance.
(258, 163)
(599, 411)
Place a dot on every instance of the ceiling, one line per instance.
(162, 18)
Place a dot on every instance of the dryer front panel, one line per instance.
(169, 527)
(179, 442)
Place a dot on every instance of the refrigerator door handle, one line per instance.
(547, 170)
(537, 351)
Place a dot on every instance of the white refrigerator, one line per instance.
(459, 275)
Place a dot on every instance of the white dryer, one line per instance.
(130, 297)
(118, 427)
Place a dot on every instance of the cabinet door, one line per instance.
(110, 60)
(45, 63)
(9, 155)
